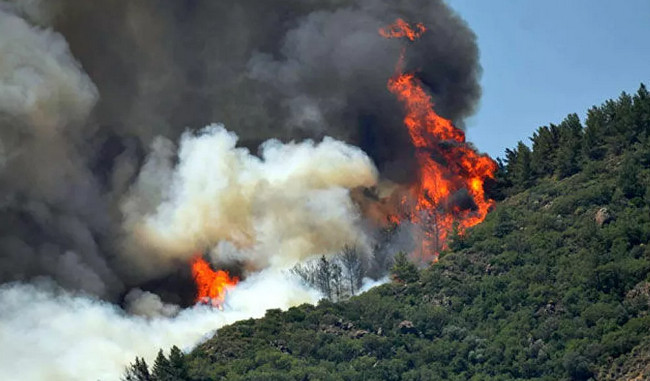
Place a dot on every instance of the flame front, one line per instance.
(212, 286)
(446, 163)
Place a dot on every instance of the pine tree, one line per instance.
(403, 270)
(162, 370)
(641, 110)
(177, 364)
(568, 161)
(323, 278)
(593, 142)
(456, 239)
(337, 279)
(545, 145)
(352, 268)
(628, 178)
(519, 166)
(137, 371)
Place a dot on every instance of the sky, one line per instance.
(545, 59)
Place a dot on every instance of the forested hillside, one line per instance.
(553, 285)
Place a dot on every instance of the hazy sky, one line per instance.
(544, 59)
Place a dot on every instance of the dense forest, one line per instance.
(554, 285)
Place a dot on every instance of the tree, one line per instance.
(404, 270)
(382, 253)
(519, 166)
(323, 277)
(567, 161)
(628, 178)
(177, 364)
(545, 144)
(641, 109)
(162, 370)
(456, 239)
(137, 371)
(593, 142)
(353, 268)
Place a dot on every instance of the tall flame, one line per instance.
(212, 286)
(447, 164)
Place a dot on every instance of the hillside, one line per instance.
(553, 285)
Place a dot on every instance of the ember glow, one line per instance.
(211, 286)
(449, 168)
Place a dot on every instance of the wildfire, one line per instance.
(447, 164)
(402, 29)
(212, 286)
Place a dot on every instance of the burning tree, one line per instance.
(449, 168)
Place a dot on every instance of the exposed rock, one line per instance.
(639, 295)
(359, 334)
(634, 366)
(406, 326)
(603, 216)
(551, 308)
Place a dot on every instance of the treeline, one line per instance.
(563, 150)
(172, 368)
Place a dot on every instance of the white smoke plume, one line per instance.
(290, 203)
(55, 335)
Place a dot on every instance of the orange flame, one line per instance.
(212, 286)
(402, 29)
(447, 164)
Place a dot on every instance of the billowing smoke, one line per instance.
(110, 182)
(51, 334)
(94, 94)
(274, 210)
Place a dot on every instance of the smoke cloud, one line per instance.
(93, 96)
(110, 181)
(66, 336)
(274, 210)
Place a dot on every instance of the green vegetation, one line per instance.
(554, 285)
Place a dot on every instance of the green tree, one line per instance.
(404, 270)
(628, 179)
(593, 143)
(177, 365)
(641, 110)
(567, 161)
(545, 144)
(162, 369)
(137, 371)
(456, 239)
(520, 166)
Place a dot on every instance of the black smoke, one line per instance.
(287, 69)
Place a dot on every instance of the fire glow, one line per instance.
(447, 165)
(212, 286)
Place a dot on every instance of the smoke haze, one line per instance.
(274, 210)
(51, 334)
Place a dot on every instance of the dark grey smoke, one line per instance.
(288, 69)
